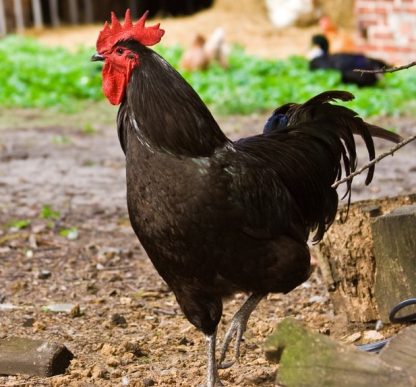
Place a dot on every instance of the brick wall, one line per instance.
(387, 29)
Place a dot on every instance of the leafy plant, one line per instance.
(19, 224)
(48, 213)
(89, 129)
(38, 76)
(70, 233)
(61, 140)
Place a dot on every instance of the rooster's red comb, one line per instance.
(144, 35)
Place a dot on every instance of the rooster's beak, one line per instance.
(97, 57)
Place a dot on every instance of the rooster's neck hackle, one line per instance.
(170, 115)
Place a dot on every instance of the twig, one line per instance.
(374, 161)
(387, 70)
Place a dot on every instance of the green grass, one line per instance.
(36, 76)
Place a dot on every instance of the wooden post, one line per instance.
(73, 11)
(394, 237)
(19, 355)
(18, 13)
(400, 351)
(346, 258)
(3, 26)
(89, 11)
(53, 6)
(37, 13)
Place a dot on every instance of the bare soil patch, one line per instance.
(107, 273)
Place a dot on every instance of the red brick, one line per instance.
(404, 9)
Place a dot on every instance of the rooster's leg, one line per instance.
(213, 380)
(238, 326)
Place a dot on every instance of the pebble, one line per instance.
(185, 341)
(73, 234)
(118, 319)
(63, 308)
(148, 382)
(5, 307)
(108, 350)
(28, 322)
(353, 338)
(38, 326)
(370, 336)
(134, 349)
(316, 299)
(125, 300)
(112, 361)
(99, 372)
(76, 311)
(44, 274)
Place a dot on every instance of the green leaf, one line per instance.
(69, 233)
(19, 224)
(48, 213)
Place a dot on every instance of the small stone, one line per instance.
(112, 361)
(116, 373)
(352, 338)
(5, 307)
(38, 326)
(125, 300)
(118, 319)
(28, 322)
(72, 234)
(76, 311)
(44, 274)
(133, 348)
(99, 373)
(316, 299)
(58, 308)
(370, 336)
(108, 350)
(87, 373)
(185, 341)
(148, 382)
(99, 266)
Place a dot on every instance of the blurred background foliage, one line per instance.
(33, 75)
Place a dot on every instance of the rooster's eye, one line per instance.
(119, 51)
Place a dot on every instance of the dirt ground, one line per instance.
(131, 331)
(106, 272)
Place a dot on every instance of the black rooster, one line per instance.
(215, 216)
(345, 63)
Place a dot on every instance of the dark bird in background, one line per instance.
(345, 63)
(215, 216)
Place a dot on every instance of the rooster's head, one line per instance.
(119, 59)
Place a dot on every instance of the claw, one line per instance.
(237, 328)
